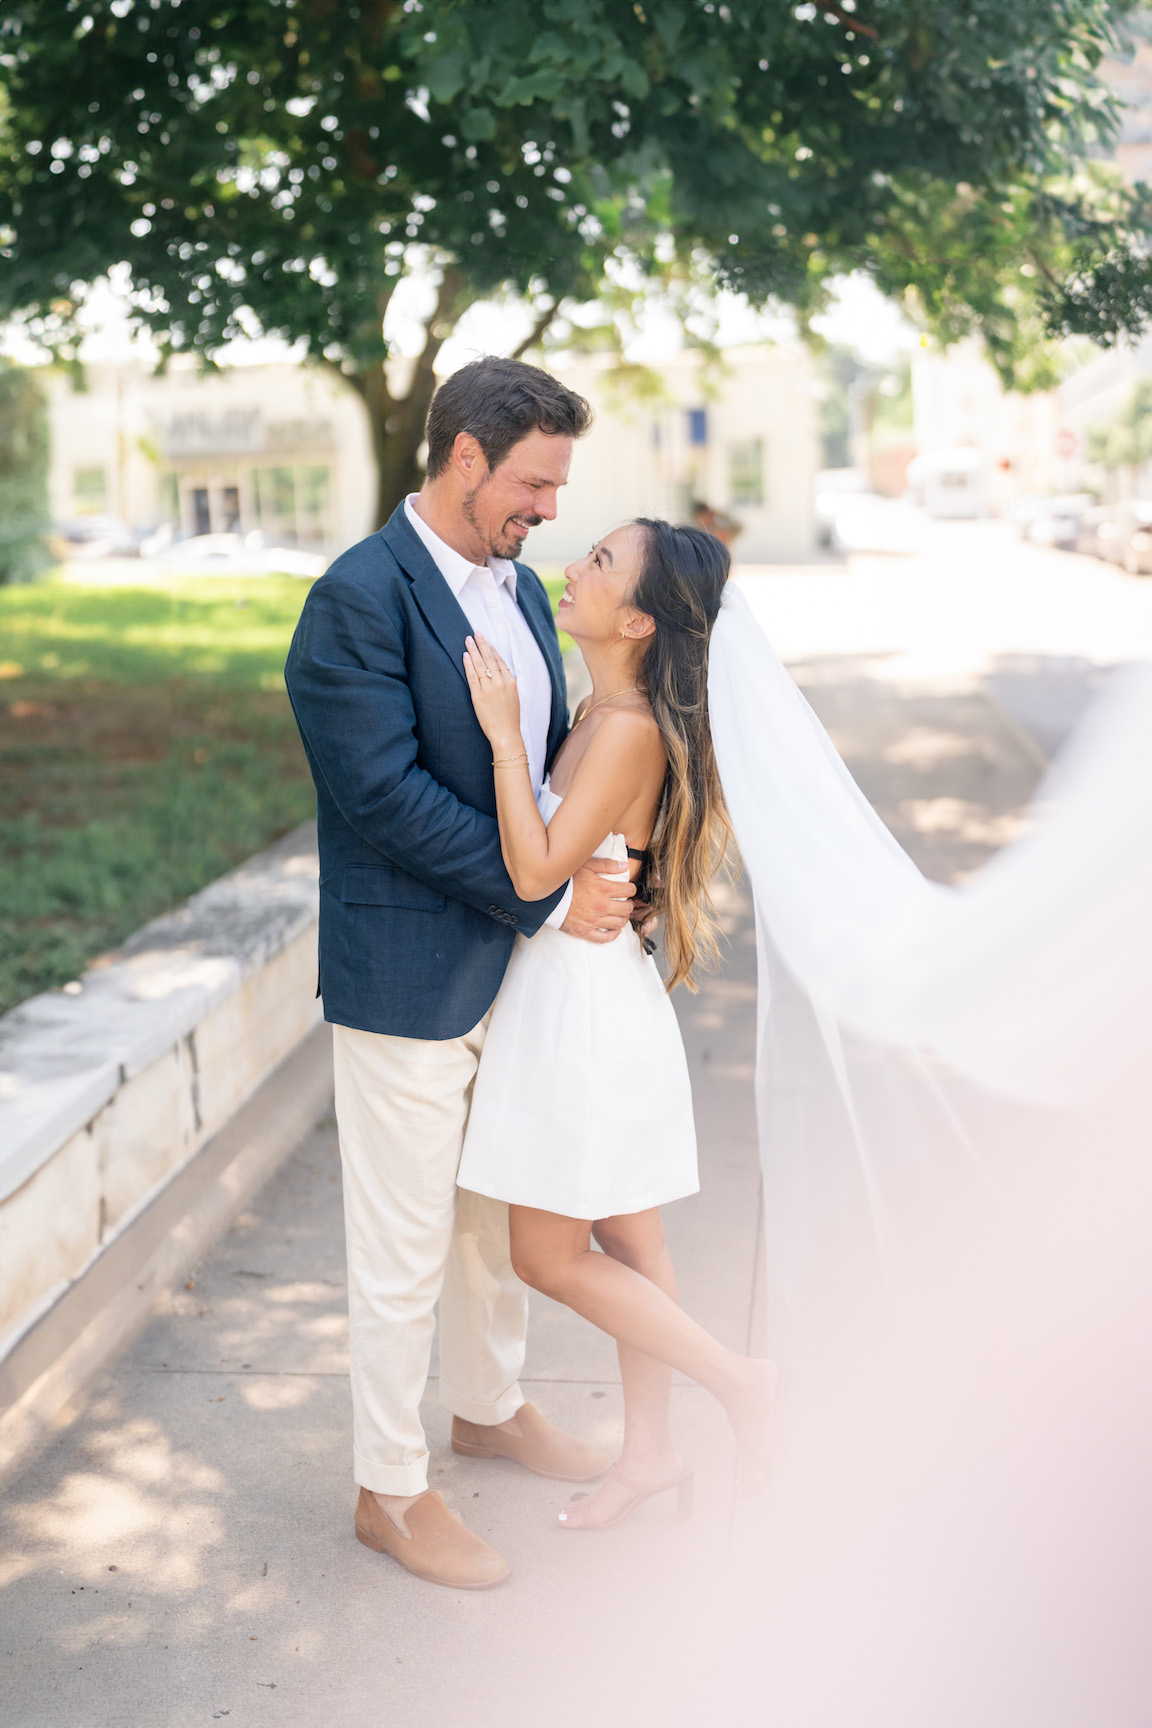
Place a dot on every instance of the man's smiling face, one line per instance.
(519, 494)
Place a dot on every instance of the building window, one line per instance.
(746, 471)
(90, 488)
(698, 426)
(275, 494)
(312, 497)
(292, 504)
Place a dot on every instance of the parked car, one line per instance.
(1135, 537)
(1027, 507)
(97, 536)
(239, 555)
(836, 487)
(1098, 533)
(949, 484)
(873, 524)
(109, 537)
(1056, 521)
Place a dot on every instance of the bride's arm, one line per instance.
(624, 760)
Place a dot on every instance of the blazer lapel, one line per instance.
(538, 616)
(443, 612)
(447, 619)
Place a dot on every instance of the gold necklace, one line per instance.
(632, 690)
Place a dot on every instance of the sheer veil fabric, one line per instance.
(954, 1090)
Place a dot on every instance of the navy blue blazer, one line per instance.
(417, 912)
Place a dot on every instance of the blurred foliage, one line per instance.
(1125, 441)
(839, 370)
(23, 475)
(146, 746)
(863, 403)
(280, 165)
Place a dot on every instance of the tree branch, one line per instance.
(536, 332)
(1049, 275)
(450, 303)
(849, 20)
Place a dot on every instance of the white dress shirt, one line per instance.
(486, 594)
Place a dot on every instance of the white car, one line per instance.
(240, 555)
(835, 488)
(875, 524)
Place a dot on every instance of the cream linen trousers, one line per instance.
(401, 1110)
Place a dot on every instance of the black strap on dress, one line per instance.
(643, 886)
(645, 861)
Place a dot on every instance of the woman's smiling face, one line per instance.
(595, 602)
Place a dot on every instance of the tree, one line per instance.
(23, 475)
(1125, 441)
(279, 165)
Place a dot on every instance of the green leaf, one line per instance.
(633, 79)
(446, 77)
(478, 125)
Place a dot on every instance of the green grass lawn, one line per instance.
(146, 746)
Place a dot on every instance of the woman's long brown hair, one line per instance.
(679, 587)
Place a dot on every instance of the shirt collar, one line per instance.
(452, 565)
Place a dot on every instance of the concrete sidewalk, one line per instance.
(184, 1553)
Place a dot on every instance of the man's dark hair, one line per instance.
(499, 402)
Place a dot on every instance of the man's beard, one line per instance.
(498, 543)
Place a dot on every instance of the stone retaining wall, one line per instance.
(109, 1087)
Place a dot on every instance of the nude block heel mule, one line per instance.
(684, 1484)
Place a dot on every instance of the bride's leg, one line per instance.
(648, 1452)
(554, 1255)
(648, 1457)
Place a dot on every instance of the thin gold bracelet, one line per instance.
(509, 761)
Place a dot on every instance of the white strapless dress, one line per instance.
(582, 1103)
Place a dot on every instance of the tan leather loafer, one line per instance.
(531, 1441)
(440, 1549)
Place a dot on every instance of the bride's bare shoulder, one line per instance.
(626, 729)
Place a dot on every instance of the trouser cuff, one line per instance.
(391, 1478)
(474, 1410)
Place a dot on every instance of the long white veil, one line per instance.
(954, 1089)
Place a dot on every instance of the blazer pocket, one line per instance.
(383, 885)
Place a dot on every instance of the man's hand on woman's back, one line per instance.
(600, 909)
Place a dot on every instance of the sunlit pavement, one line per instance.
(184, 1553)
(974, 594)
(949, 677)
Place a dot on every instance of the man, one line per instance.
(417, 921)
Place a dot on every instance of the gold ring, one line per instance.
(487, 674)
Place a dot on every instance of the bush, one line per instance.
(23, 475)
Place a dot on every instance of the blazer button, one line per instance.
(494, 911)
(512, 918)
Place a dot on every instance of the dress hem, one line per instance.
(593, 1217)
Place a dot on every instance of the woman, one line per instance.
(582, 1113)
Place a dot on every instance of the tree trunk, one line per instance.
(397, 430)
(397, 423)
(537, 331)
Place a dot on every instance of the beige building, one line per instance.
(280, 450)
(741, 438)
(1013, 441)
(284, 451)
